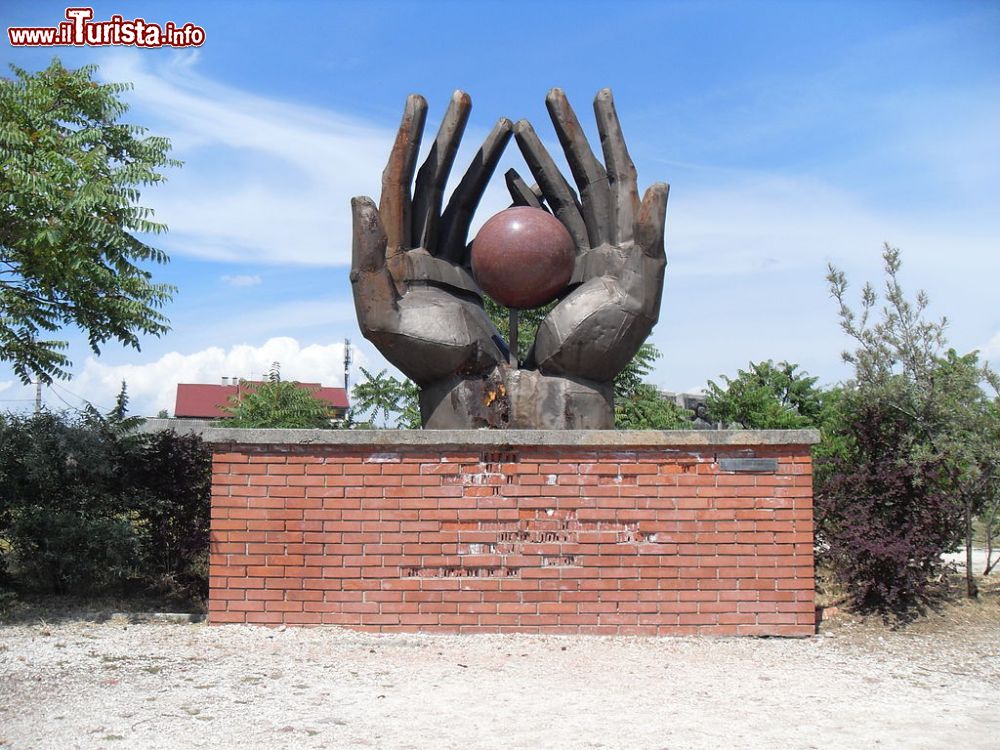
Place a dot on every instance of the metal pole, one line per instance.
(347, 361)
(512, 322)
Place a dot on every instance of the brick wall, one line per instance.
(650, 540)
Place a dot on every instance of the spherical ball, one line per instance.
(523, 257)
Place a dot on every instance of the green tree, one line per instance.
(69, 219)
(387, 398)
(117, 420)
(640, 405)
(277, 403)
(767, 396)
(944, 426)
(962, 429)
(527, 323)
(648, 409)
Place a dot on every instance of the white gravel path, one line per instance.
(83, 684)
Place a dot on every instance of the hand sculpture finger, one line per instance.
(558, 193)
(433, 174)
(374, 293)
(589, 174)
(457, 216)
(520, 192)
(369, 239)
(652, 220)
(621, 171)
(394, 205)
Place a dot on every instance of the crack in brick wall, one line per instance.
(544, 540)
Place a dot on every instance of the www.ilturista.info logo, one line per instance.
(79, 30)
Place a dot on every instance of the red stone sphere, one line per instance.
(523, 257)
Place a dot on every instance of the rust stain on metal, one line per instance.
(491, 396)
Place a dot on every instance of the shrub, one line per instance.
(767, 396)
(87, 505)
(917, 457)
(66, 525)
(65, 551)
(883, 518)
(277, 403)
(171, 476)
(645, 408)
(640, 405)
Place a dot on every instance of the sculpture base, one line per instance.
(518, 399)
(609, 532)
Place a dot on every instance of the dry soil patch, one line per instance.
(114, 684)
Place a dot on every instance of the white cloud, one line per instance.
(991, 350)
(242, 279)
(263, 180)
(153, 386)
(743, 224)
(208, 324)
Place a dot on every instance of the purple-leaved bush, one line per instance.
(883, 515)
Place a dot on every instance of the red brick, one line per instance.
(646, 468)
(261, 459)
(222, 618)
(283, 468)
(229, 458)
(264, 618)
(246, 469)
(736, 546)
(433, 468)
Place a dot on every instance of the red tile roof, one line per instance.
(205, 401)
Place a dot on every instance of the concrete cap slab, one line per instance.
(396, 439)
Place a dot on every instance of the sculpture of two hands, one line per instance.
(418, 303)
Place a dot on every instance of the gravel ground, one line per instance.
(80, 683)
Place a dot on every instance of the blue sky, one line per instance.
(793, 134)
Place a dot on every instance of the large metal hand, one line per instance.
(597, 329)
(415, 300)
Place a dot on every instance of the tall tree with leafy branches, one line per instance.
(71, 226)
(640, 405)
(920, 457)
(766, 396)
(387, 399)
(277, 403)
